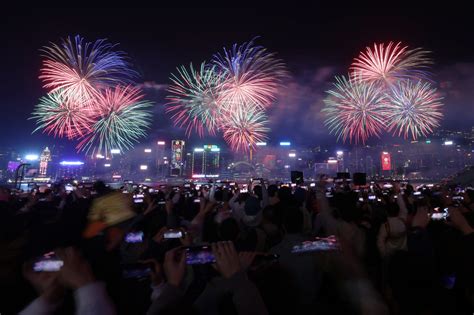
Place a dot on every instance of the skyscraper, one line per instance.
(177, 159)
(206, 161)
(45, 157)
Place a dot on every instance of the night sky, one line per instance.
(316, 44)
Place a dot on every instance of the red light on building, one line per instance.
(386, 161)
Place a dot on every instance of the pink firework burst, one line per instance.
(390, 63)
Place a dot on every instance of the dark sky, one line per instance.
(315, 42)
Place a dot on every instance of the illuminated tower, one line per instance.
(45, 157)
(177, 159)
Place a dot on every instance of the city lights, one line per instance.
(147, 150)
(285, 143)
(115, 151)
(71, 163)
(261, 144)
(107, 165)
(198, 150)
(100, 156)
(292, 155)
(31, 157)
(143, 167)
(340, 152)
(448, 143)
(161, 143)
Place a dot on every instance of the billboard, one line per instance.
(386, 161)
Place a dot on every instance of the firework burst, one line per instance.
(252, 75)
(123, 118)
(80, 69)
(413, 108)
(62, 117)
(193, 101)
(388, 64)
(244, 127)
(355, 110)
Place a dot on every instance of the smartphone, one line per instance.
(320, 244)
(197, 200)
(134, 237)
(136, 271)
(231, 184)
(244, 190)
(372, 197)
(171, 234)
(199, 255)
(361, 199)
(187, 185)
(139, 200)
(312, 185)
(69, 188)
(417, 193)
(328, 195)
(49, 262)
(457, 198)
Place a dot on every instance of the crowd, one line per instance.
(219, 248)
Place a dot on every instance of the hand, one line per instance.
(227, 259)
(458, 220)
(174, 266)
(156, 271)
(421, 218)
(159, 237)
(187, 239)
(45, 283)
(76, 271)
(246, 259)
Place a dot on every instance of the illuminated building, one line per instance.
(70, 169)
(177, 159)
(45, 157)
(206, 161)
(386, 161)
(160, 160)
(340, 161)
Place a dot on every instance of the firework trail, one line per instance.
(355, 110)
(62, 117)
(251, 75)
(244, 127)
(123, 118)
(80, 69)
(388, 64)
(413, 108)
(193, 99)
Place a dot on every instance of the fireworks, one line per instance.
(80, 69)
(388, 64)
(62, 117)
(355, 110)
(194, 99)
(228, 95)
(252, 75)
(414, 108)
(122, 120)
(244, 127)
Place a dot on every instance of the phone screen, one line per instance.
(200, 255)
(136, 271)
(320, 244)
(49, 262)
(134, 237)
(170, 234)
